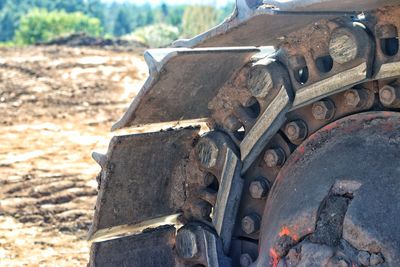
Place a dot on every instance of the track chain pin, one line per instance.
(275, 157)
(356, 98)
(343, 46)
(390, 96)
(323, 110)
(296, 131)
(251, 223)
(259, 188)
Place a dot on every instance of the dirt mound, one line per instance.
(57, 104)
(82, 39)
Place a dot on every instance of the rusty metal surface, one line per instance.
(265, 128)
(228, 199)
(152, 248)
(182, 82)
(329, 5)
(143, 182)
(261, 23)
(199, 245)
(275, 110)
(370, 141)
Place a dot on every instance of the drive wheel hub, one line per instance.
(336, 201)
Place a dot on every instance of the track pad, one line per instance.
(142, 182)
(152, 248)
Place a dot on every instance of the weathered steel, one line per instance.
(143, 182)
(196, 244)
(346, 149)
(182, 82)
(252, 99)
(261, 23)
(229, 195)
(266, 126)
(331, 85)
(152, 248)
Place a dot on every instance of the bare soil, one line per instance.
(57, 105)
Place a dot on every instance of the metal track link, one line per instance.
(261, 105)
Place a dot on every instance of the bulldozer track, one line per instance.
(333, 68)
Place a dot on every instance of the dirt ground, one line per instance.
(57, 105)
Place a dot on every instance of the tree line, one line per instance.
(29, 21)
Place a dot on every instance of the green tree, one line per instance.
(156, 35)
(40, 25)
(197, 19)
(2, 3)
(175, 15)
(7, 26)
(122, 24)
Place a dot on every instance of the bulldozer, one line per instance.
(273, 139)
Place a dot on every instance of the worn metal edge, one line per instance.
(228, 199)
(328, 5)
(246, 10)
(156, 60)
(331, 85)
(163, 126)
(388, 70)
(119, 231)
(267, 125)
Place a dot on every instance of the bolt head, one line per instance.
(207, 153)
(251, 224)
(186, 244)
(388, 95)
(342, 46)
(245, 260)
(296, 130)
(274, 157)
(232, 123)
(323, 110)
(363, 258)
(260, 81)
(355, 98)
(259, 188)
(342, 263)
(376, 258)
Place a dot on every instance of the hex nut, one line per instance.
(186, 244)
(259, 188)
(363, 258)
(390, 96)
(251, 223)
(376, 258)
(356, 98)
(296, 130)
(323, 110)
(275, 157)
(245, 260)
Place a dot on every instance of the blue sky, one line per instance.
(177, 2)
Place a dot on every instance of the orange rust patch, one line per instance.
(274, 256)
(288, 232)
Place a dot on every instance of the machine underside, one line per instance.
(276, 143)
